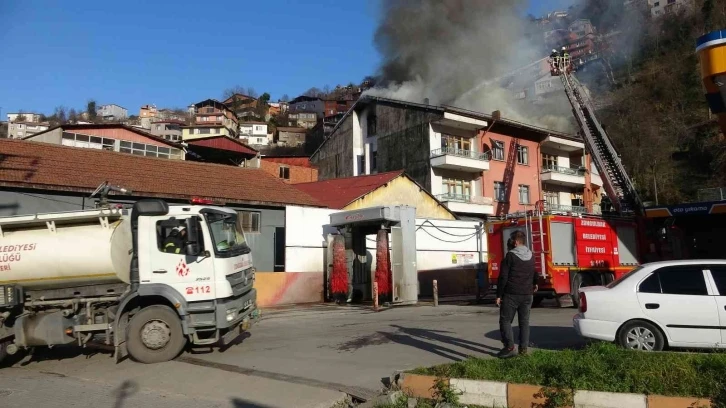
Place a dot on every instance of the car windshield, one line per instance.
(622, 278)
(227, 234)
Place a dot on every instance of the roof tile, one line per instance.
(337, 193)
(37, 165)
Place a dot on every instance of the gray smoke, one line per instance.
(453, 53)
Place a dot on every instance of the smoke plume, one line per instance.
(454, 52)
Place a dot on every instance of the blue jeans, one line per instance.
(521, 305)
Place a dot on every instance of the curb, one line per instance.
(509, 395)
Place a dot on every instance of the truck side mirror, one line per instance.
(194, 236)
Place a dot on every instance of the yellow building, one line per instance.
(211, 118)
(391, 188)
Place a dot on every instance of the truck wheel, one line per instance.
(580, 280)
(154, 335)
(537, 301)
(3, 351)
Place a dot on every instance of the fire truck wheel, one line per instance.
(3, 351)
(580, 280)
(641, 335)
(609, 278)
(537, 301)
(154, 335)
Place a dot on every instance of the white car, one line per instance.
(657, 305)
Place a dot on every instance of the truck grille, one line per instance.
(241, 281)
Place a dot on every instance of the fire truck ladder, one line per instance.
(509, 176)
(617, 184)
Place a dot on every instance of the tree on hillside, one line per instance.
(21, 117)
(59, 115)
(72, 116)
(91, 110)
(285, 98)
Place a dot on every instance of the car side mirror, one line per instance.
(194, 236)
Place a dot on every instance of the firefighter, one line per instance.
(554, 61)
(605, 204)
(174, 243)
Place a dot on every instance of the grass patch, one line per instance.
(603, 367)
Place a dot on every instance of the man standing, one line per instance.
(515, 288)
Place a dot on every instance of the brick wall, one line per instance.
(298, 174)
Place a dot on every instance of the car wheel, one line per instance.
(642, 336)
(154, 335)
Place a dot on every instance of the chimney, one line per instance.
(426, 101)
(496, 115)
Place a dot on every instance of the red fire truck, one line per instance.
(571, 250)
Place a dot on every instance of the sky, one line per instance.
(172, 53)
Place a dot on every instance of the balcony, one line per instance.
(564, 209)
(460, 160)
(464, 203)
(564, 176)
(563, 144)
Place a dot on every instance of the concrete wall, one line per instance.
(403, 141)
(335, 157)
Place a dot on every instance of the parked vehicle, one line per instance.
(571, 251)
(658, 305)
(108, 276)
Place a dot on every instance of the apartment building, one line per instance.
(170, 130)
(291, 136)
(20, 130)
(112, 112)
(211, 118)
(244, 106)
(24, 117)
(302, 119)
(478, 167)
(659, 8)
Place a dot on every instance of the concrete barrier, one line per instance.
(482, 393)
(288, 288)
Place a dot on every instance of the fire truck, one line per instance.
(580, 248)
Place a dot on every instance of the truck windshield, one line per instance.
(227, 234)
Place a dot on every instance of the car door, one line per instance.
(677, 298)
(718, 274)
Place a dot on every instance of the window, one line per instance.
(552, 198)
(250, 221)
(167, 233)
(284, 172)
(374, 160)
(549, 162)
(719, 276)
(158, 127)
(687, 280)
(372, 123)
(219, 118)
(522, 154)
(650, 285)
(455, 143)
(497, 150)
(499, 191)
(523, 194)
(205, 131)
(457, 188)
(210, 110)
(361, 164)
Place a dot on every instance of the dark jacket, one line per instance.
(517, 275)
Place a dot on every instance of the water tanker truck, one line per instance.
(109, 277)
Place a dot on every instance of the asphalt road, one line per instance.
(304, 357)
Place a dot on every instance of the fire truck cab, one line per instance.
(571, 250)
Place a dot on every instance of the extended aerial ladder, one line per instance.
(617, 183)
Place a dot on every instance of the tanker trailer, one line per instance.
(106, 277)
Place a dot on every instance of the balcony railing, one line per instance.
(469, 154)
(465, 198)
(572, 171)
(565, 208)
